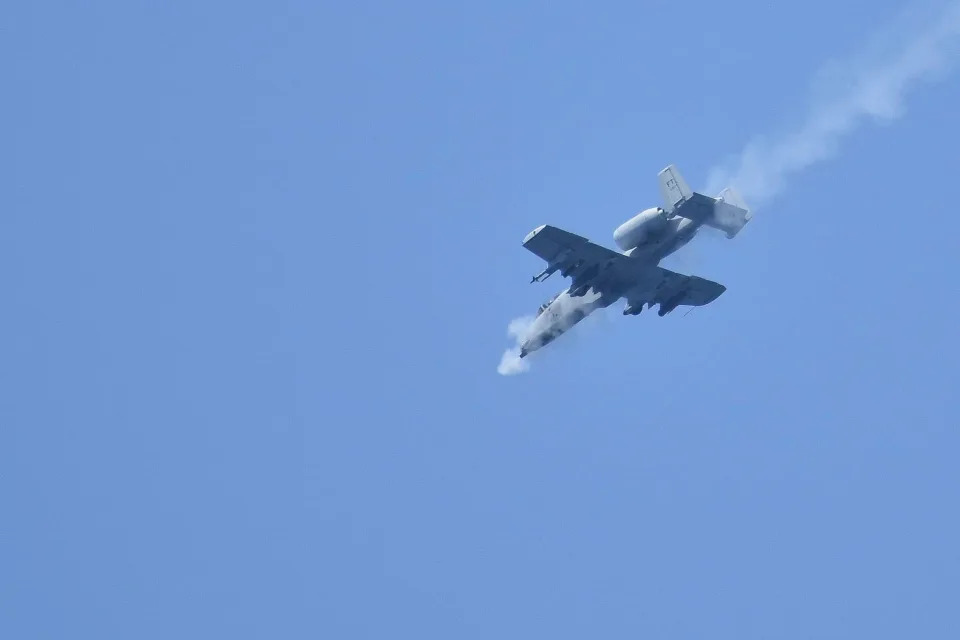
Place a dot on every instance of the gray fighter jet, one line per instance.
(601, 276)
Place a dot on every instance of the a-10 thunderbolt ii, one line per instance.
(601, 276)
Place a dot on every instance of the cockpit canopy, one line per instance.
(546, 304)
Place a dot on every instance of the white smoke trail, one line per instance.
(869, 86)
(873, 86)
(511, 363)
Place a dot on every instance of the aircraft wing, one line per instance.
(582, 260)
(678, 289)
(562, 248)
(616, 273)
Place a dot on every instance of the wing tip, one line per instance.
(530, 235)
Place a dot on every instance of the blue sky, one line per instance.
(258, 262)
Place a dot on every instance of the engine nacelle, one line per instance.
(639, 228)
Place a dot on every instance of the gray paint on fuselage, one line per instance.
(645, 240)
(564, 311)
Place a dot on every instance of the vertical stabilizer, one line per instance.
(673, 188)
(727, 212)
(730, 213)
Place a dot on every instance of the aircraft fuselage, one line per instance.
(566, 310)
(600, 276)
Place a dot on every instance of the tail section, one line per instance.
(727, 212)
(673, 188)
(730, 213)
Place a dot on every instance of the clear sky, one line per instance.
(258, 261)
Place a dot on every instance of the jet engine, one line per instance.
(640, 228)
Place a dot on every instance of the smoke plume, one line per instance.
(921, 46)
(871, 87)
(511, 363)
